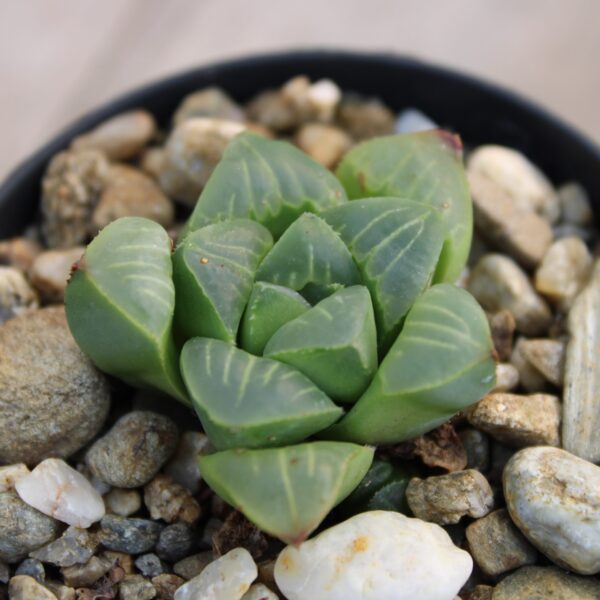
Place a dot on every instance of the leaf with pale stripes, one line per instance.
(268, 181)
(334, 344)
(120, 302)
(309, 253)
(213, 271)
(441, 363)
(396, 244)
(269, 307)
(426, 167)
(287, 492)
(245, 401)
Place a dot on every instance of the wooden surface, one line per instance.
(58, 58)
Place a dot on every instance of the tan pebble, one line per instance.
(507, 377)
(170, 501)
(121, 137)
(445, 499)
(16, 295)
(129, 192)
(497, 545)
(521, 233)
(520, 179)
(152, 161)
(71, 188)
(547, 356)
(502, 327)
(51, 270)
(24, 587)
(497, 283)
(86, 574)
(325, 143)
(19, 252)
(581, 397)
(365, 118)
(123, 502)
(212, 102)
(529, 377)
(564, 271)
(519, 420)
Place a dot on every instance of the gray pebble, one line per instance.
(32, 567)
(4, 572)
(193, 150)
(518, 420)
(16, 295)
(133, 451)
(149, 565)
(135, 587)
(55, 408)
(576, 208)
(477, 446)
(75, 546)
(193, 565)
(411, 120)
(497, 545)
(22, 528)
(183, 466)
(24, 587)
(133, 536)
(554, 499)
(547, 356)
(529, 377)
(175, 542)
(542, 583)
(497, 282)
(445, 499)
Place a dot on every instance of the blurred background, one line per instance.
(59, 58)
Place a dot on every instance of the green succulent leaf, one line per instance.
(213, 271)
(396, 244)
(269, 307)
(382, 488)
(310, 254)
(245, 401)
(268, 181)
(120, 303)
(334, 344)
(287, 492)
(441, 363)
(426, 167)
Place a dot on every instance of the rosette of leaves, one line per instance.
(305, 317)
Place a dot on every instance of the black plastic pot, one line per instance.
(480, 112)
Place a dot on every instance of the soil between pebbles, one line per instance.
(531, 266)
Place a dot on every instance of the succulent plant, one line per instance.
(289, 312)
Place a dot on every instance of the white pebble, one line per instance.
(10, 474)
(227, 578)
(57, 490)
(411, 120)
(323, 96)
(258, 591)
(376, 555)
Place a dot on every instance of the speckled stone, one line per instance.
(22, 528)
(67, 395)
(543, 583)
(554, 499)
(497, 545)
(133, 536)
(133, 451)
